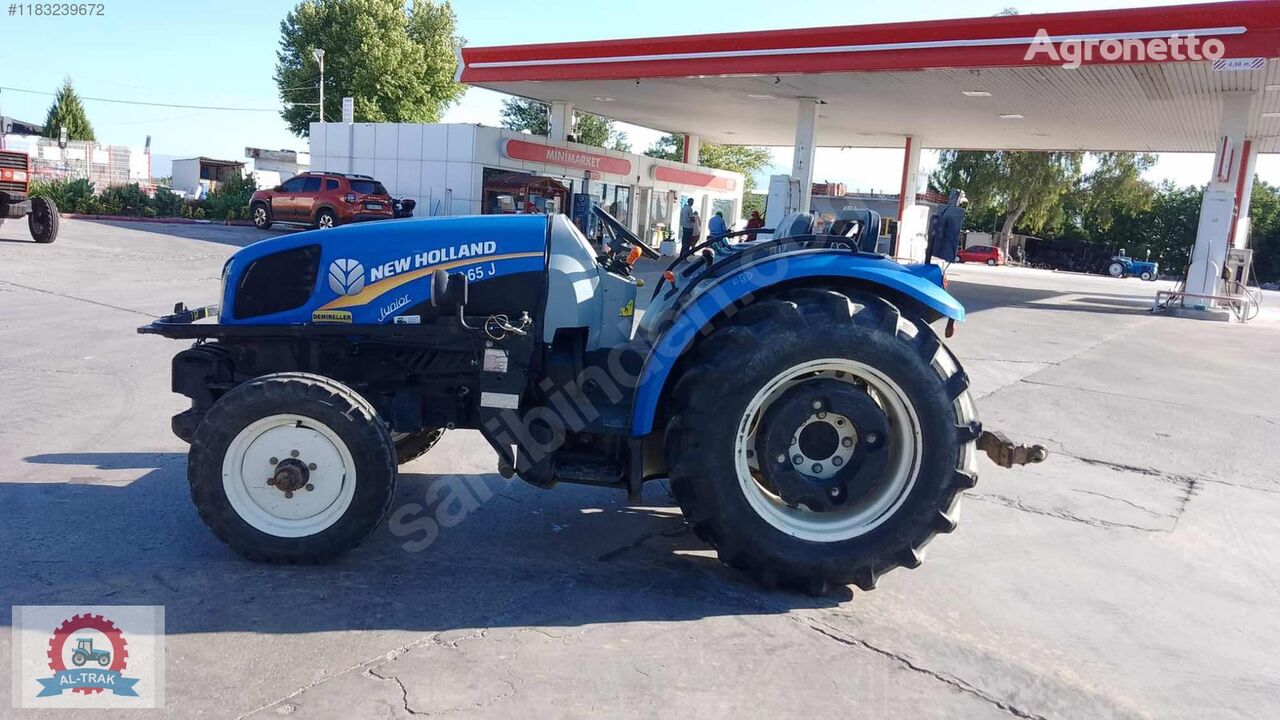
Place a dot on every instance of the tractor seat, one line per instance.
(793, 225)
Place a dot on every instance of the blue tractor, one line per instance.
(1124, 266)
(85, 653)
(814, 428)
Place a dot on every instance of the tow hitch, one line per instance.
(1006, 454)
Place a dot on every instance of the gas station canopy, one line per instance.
(952, 83)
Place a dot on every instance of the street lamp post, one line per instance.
(318, 54)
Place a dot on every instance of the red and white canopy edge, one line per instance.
(955, 83)
(967, 84)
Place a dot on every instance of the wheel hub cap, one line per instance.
(290, 476)
(827, 442)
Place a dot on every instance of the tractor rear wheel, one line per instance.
(43, 220)
(411, 446)
(821, 438)
(292, 468)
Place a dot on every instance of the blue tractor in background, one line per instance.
(1124, 266)
(814, 428)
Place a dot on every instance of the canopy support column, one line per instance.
(561, 120)
(910, 176)
(1220, 210)
(692, 146)
(805, 145)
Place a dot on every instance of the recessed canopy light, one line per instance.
(1272, 88)
(755, 96)
(976, 93)
(1011, 116)
(1271, 115)
(604, 99)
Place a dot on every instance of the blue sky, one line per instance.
(223, 53)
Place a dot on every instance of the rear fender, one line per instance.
(919, 283)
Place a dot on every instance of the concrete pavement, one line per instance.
(1132, 575)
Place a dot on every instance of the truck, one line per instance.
(15, 202)
(813, 425)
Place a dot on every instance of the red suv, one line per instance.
(323, 200)
(981, 253)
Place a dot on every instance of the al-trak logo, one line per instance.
(98, 655)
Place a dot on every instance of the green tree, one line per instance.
(1029, 188)
(1114, 187)
(1264, 233)
(744, 159)
(588, 129)
(396, 59)
(67, 111)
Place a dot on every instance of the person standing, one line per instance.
(697, 230)
(754, 222)
(688, 225)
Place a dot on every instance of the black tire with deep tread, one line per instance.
(414, 445)
(43, 230)
(727, 368)
(327, 401)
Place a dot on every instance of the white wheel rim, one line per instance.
(247, 467)
(326, 221)
(260, 215)
(868, 512)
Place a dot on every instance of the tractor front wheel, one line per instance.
(820, 439)
(293, 468)
(43, 220)
(1115, 270)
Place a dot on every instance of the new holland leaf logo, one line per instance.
(346, 276)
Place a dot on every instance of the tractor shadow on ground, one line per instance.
(469, 550)
(977, 297)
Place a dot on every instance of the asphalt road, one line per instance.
(1133, 575)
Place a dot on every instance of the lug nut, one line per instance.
(847, 442)
(822, 416)
(797, 459)
(271, 480)
(839, 422)
(293, 453)
(782, 458)
(274, 461)
(837, 461)
(817, 404)
(288, 493)
(311, 466)
(817, 467)
(310, 487)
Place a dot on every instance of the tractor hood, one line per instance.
(374, 272)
